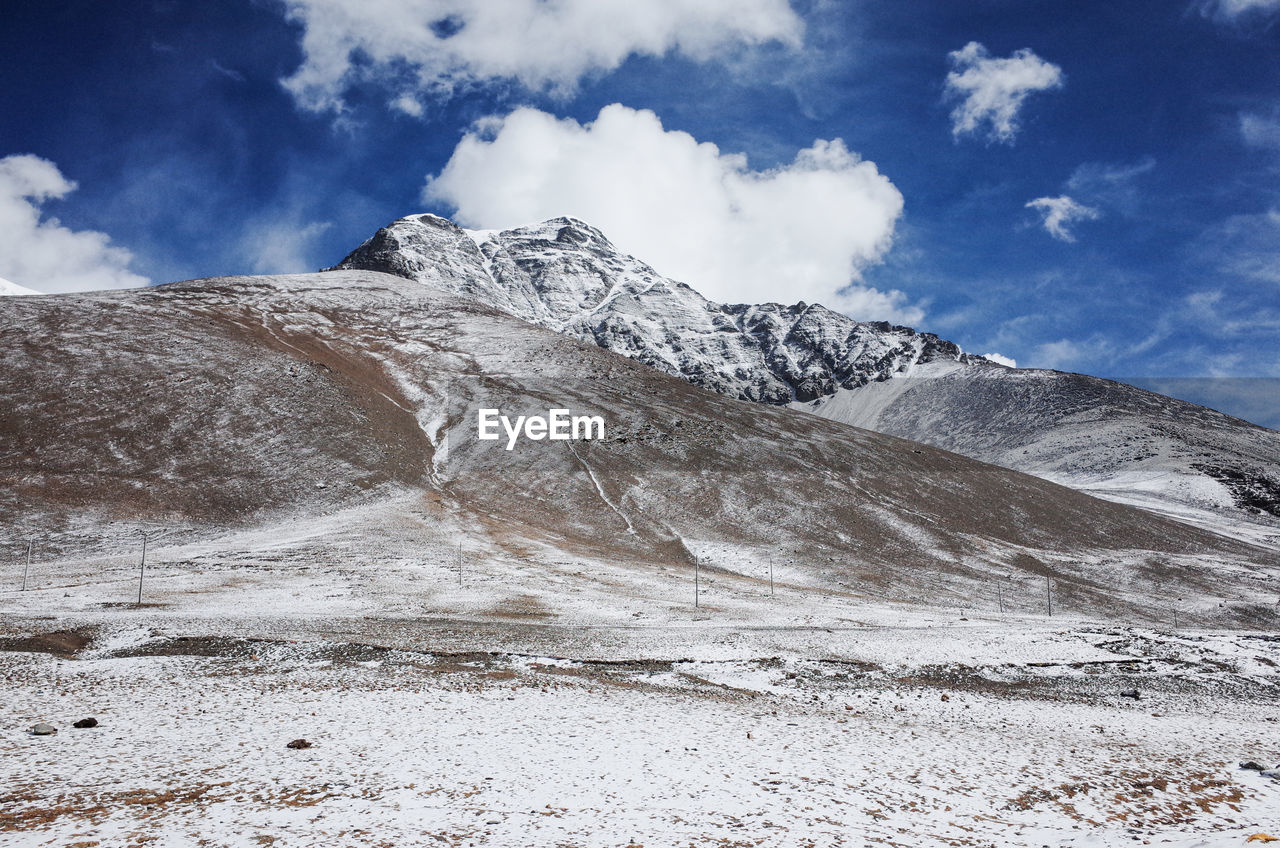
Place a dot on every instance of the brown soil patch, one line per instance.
(62, 643)
(525, 606)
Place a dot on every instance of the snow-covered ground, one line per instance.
(383, 562)
(605, 710)
(470, 749)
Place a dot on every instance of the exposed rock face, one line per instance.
(565, 275)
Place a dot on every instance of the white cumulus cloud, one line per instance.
(435, 46)
(38, 252)
(1000, 359)
(1059, 213)
(991, 90)
(802, 231)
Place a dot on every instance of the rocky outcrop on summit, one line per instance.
(565, 275)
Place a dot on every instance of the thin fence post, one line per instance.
(695, 581)
(27, 569)
(142, 568)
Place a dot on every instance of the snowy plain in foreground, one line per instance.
(452, 715)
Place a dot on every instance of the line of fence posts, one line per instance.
(1009, 579)
(1048, 591)
(142, 564)
(697, 579)
(142, 567)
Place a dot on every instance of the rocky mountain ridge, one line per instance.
(566, 276)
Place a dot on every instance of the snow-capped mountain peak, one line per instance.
(564, 274)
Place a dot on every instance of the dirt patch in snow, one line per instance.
(62, 643)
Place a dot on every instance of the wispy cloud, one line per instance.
(1230, 315)
(1111, 185)
(1092, 187)
(282, 246)
(1243, 246)
(39, 252)
(229, 73)
(992, 90)
(1074, 354)
(1236, 10)
(432, 47)
(1261, 130)
(801, 231)
(1059, 213)
(1255, 399)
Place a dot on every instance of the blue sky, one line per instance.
(1097, 188)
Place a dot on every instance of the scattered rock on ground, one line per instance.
(298, 744)
(1130, 693)
(1252, 766)
(43, 729)
(86, 722)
